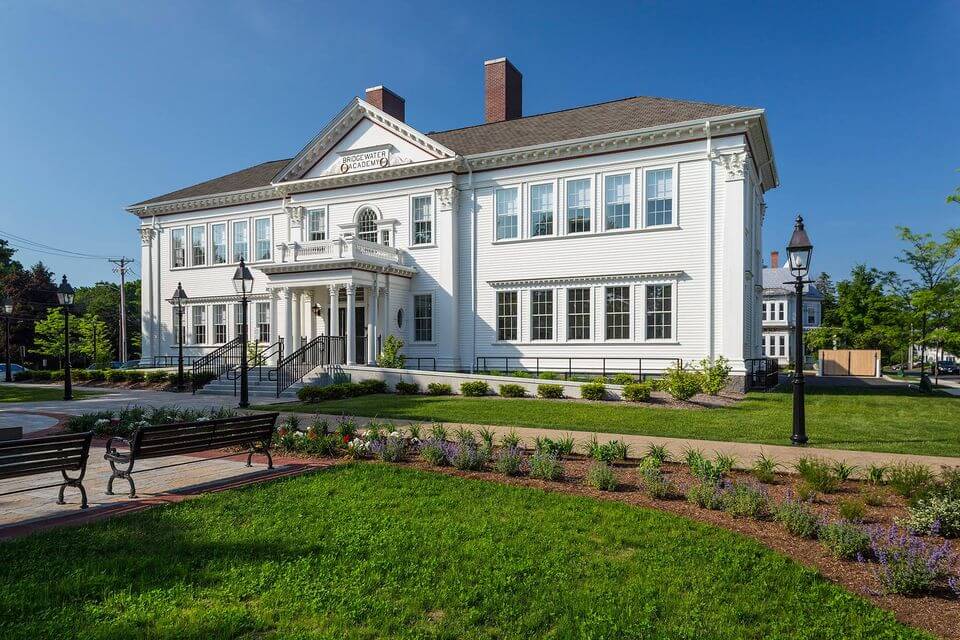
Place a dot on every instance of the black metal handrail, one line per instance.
(215, 364)
(322, 350)
(762, 373)
(262, 356)
(569, 371)
(407, 360)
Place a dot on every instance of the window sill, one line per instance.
(222, 264)
(432, 245)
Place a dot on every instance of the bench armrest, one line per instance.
(111, 449)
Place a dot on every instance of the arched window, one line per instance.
(367, 225)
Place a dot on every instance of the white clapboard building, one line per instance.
(629, 229)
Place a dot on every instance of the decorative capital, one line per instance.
(296, 216)
(447, 199)
(351, 289)
(735, 164)
(334, 289)
(147, 234)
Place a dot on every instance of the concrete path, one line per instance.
(113, 399)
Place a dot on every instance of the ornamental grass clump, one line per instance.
(559, 447)
(746, 501)
(509, 461)
(907, 564)
(545, 466)
(607, 452)
(600, 476)
(511, 439)
(852, 510)
(911, 480)
(764, 469)
(819, 474)
(845, 540)
(797, 517)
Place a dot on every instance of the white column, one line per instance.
(334, 327)
(387, 312)
(374, 324)
(351, 324)
(734, 260)
(310, 322)
(274, 315)
(149, 327)
(287, 324)
(297, 316)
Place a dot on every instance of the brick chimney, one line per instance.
(386, 100)
(503, 98)
(774, 259)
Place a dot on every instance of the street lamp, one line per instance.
(179, 302)
(7, 311)
(798, 255)
(243, 284)
(65, 297)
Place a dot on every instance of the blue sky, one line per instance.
(105, 104)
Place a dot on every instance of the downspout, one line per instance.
(711, 285)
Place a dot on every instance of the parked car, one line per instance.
(14, 369)
(948, 368)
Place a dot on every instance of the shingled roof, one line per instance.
(627, 114)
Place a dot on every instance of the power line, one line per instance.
(122, 265)
(42, 246)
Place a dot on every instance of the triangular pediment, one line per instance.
(362, 139)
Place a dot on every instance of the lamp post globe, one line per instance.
(179, 302)
(243, 285)
(65, 295)
(7, 311)
(799, 251)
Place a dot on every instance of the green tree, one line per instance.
(869, 314)
(955, 196)
(103, 301)
(48, 338)
(828, 305)
(92, 340)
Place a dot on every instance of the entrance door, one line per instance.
(360, 317)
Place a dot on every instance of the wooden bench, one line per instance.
(49, 454)
(161, 441)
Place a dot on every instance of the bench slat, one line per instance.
(34, 468)
(52, 454)
(26, 445)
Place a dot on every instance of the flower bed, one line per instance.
(123, 422)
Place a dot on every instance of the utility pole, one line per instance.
(122, 264)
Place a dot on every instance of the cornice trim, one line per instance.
(585, 279)
(338, 265)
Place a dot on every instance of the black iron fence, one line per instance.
(762, 373)
(572, 366)
(215, 364)
(322, 350)
(417, 363)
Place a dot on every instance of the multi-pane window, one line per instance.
(811, 314)
(541, 315)
(783, 346)
(199, 314)
(541, 210)
(177, 248)
(659, 312)
(367, 225)
(422, 220)
(219, 316)
(578, 314)
(385, 237)
(507, 218)
(237, 320)
(781, 307)
(423, 318)
(618, 313)
(316, 224)
(261, 232)
(198, 246)
(218, 237)
(617, 201)
(263, 322)
(507, 321)
(659, 197)
(764, 311)
(578, 205)
(241, 243)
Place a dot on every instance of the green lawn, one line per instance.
(888, 420)
(37, 394)
(369, 550)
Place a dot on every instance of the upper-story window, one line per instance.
(178, 249)
(781, 308)
(218, 237)
(198, 245)
(241, 241)
(261, 230)
(578, 206)
(423, 220)
(659, 197)
(541, 210)
(506, 205)
(617, 201)
(811, 314)
(316, 225)
(367, 225)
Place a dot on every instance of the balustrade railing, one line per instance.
(322, 350)
(215, 364)
(345, 248)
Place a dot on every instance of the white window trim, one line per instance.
(529, 222)
(593, 205)
(632, 222)
(631, 318)
(590, 315)
(496, 317)
(673, 313)
(186, 248)
(641, 189)
(433, 222)
(252, 235)
(226, 243)
(554, 326)
(433, 318)
(233, 236)
(206, 326)
(206, 243)
(520, 212)
(325, 227)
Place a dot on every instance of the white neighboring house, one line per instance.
(779, 311)
(627, 229)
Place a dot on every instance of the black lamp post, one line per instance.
(179, 302)
(798, 252)
(243, 284)
(7, 311)
(65, 297)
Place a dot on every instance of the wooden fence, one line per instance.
(850, 362)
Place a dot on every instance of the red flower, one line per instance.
(346, 439)
(282, 431)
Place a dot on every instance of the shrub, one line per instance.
(680, 383)
(369, 387)
(713, 375)
(806, 492)
(874, 497)
(658, 453)
(600, 476)
(746, 501)
(852, 510)
(113, 375)
(521, 374)
(468, 457)
(475, 389)
(845, 540)
(818, 474)
(135, 376)
(390, 356)
(509, 461)
(155, 376)
(655, 483)
(512, 391)
(797, 517)
(549, 375)
(907, 564)
(636, 391)
(81, 374)
(545, 466)
(622, 379)
(438, 389)
(706, 495)
(392, 448)
(936, 514)
(842, 470)
(593, 391)
(510, 440)
(407, 388)
(436, 452)
(764, 469)
(96, 375)
(609, 451)
(22, 376)
(950, 482)
(877, 473)
(911, 480)
(550, 390)
(658, 384)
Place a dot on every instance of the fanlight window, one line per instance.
(367, 225)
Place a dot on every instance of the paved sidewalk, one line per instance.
(113, 399)
(744, 452)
